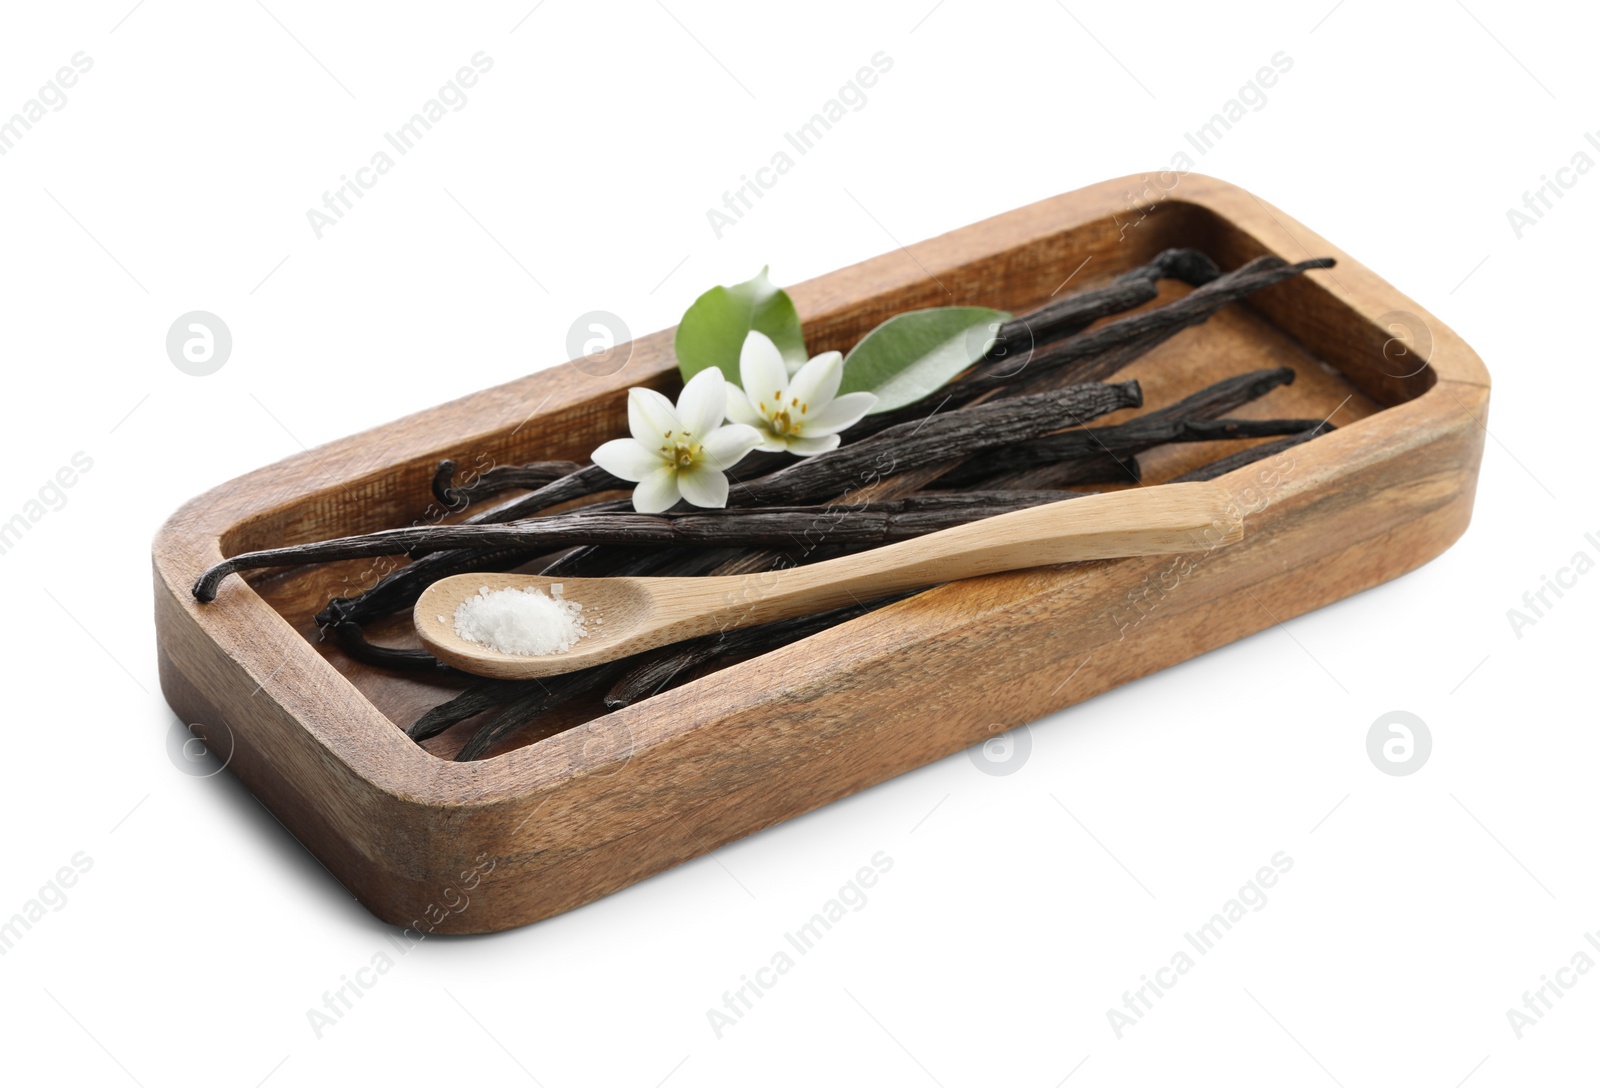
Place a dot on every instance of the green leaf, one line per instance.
(713, 330)
(913, 354)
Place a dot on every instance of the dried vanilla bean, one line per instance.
(484, 695)
(1251, 455)
(540, 699)
(1066, 317)
(1077, 354)
(1074, 450)
(443, 475)
(589, 481)
(1185, 263)
(934, 441)
(651, 672)
(621, 561)
(1051, 322)
(491, 481)
(1122, 468)
(1225, 395)
(577, 485)
(401, 587)
(1074, 313)
(867, 523)
(354, 642)
(1100, 449)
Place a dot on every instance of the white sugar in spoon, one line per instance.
(643, 613)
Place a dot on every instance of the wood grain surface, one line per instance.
(605, 800)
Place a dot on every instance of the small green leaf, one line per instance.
(913, 354)
(713, 330)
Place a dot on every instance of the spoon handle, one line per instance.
(1161, 520)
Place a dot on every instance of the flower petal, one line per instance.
(815, 383)
(805, 447)
(724, 446)
(703, 485)
(739, 409)
(702, 403)
(628, 458)
(651, 416)
(657, 491)
(845, 411)
(761, 369)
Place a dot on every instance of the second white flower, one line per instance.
(803, 414)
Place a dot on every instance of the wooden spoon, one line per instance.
(626, 615)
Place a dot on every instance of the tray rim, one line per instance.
(360, 739)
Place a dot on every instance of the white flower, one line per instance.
(678, 451)
(799, 414)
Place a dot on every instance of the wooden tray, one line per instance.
(535, 830)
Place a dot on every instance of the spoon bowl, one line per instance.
(615, 612)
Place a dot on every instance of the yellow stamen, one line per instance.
(683, 454)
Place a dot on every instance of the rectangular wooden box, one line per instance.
(535, 830)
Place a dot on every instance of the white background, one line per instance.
(1019, 908)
